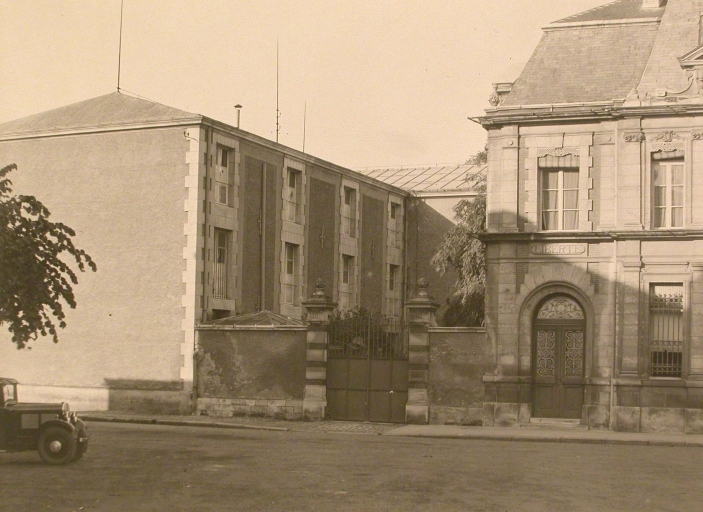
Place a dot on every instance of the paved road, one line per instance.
(162, 468)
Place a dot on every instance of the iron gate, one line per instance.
(367, 368)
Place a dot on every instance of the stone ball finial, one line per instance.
(422, 285)
(319, 288)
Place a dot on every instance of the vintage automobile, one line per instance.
(51, 429)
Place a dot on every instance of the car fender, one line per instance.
(58, 423)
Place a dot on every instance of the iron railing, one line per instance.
(358, 334)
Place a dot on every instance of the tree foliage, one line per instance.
(462, 251)
(35, 282)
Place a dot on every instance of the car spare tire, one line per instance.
(57, 446)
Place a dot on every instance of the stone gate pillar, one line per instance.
(421, 316)
(319, 308)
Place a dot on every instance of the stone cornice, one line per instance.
(596, 111)
(590, 236)
(198, 120)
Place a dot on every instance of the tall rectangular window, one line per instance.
(395, 226)
(349, 212)
(224, 177)
(290, 277)
(667, 193)
(559, 191)
(347, 269)
(347, 283)
(221, 264)
(292, 202)
(666, 329)
(393, 277)
(393, 294)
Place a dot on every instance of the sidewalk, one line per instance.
(531, 434)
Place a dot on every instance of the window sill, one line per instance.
(226, 304)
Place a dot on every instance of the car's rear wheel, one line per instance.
(57, 446)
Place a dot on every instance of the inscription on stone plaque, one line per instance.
(558, 249)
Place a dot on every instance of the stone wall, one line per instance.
(457, 364)
(251, 372)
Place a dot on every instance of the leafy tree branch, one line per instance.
(462, 251)
(35, 282)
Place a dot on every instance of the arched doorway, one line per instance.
(559, 333)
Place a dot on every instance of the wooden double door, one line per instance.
(558, 369)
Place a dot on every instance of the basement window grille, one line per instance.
(666, 330)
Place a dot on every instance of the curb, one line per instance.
(565, 440)
(181, 423)
(674, 442)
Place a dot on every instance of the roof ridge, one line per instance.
(114, 109)
(587, 11)
(131, 94)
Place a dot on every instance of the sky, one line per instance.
(360, 83)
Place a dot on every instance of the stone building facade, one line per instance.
(189, 220)
(595, 226)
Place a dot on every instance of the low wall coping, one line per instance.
(458, 329)
(251, 328)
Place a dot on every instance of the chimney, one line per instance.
(653, 4)
(239, 112)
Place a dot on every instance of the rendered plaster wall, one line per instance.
(457, 364)
(251, 372)
(123, 193)
(425, 230)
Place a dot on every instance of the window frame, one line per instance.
(290, 273)
(668, 164)
(395, 219)
(347, 282)
(221, 269)
(293, 195)
(224, 176)
(560, 191)
(393, 271)
(349, 212)
(668, 370)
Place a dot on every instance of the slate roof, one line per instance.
(427, 179)
(609, 52)
(260, 319)
(584, 64)
(114, 109)
(617, 10)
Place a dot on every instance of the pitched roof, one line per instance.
(260, 319)
(427, 179)
(114, 109)
(617, 10)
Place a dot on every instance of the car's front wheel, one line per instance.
(56, 446)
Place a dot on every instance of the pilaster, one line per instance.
(696, 316)
(629, 312)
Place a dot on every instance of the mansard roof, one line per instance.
(619, 50)
(584, 64)
(110, 110)
(617, 10)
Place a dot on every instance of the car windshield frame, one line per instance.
(9, 393)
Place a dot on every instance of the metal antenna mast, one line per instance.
(119, 51)
(305, 114)
(278, 112)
